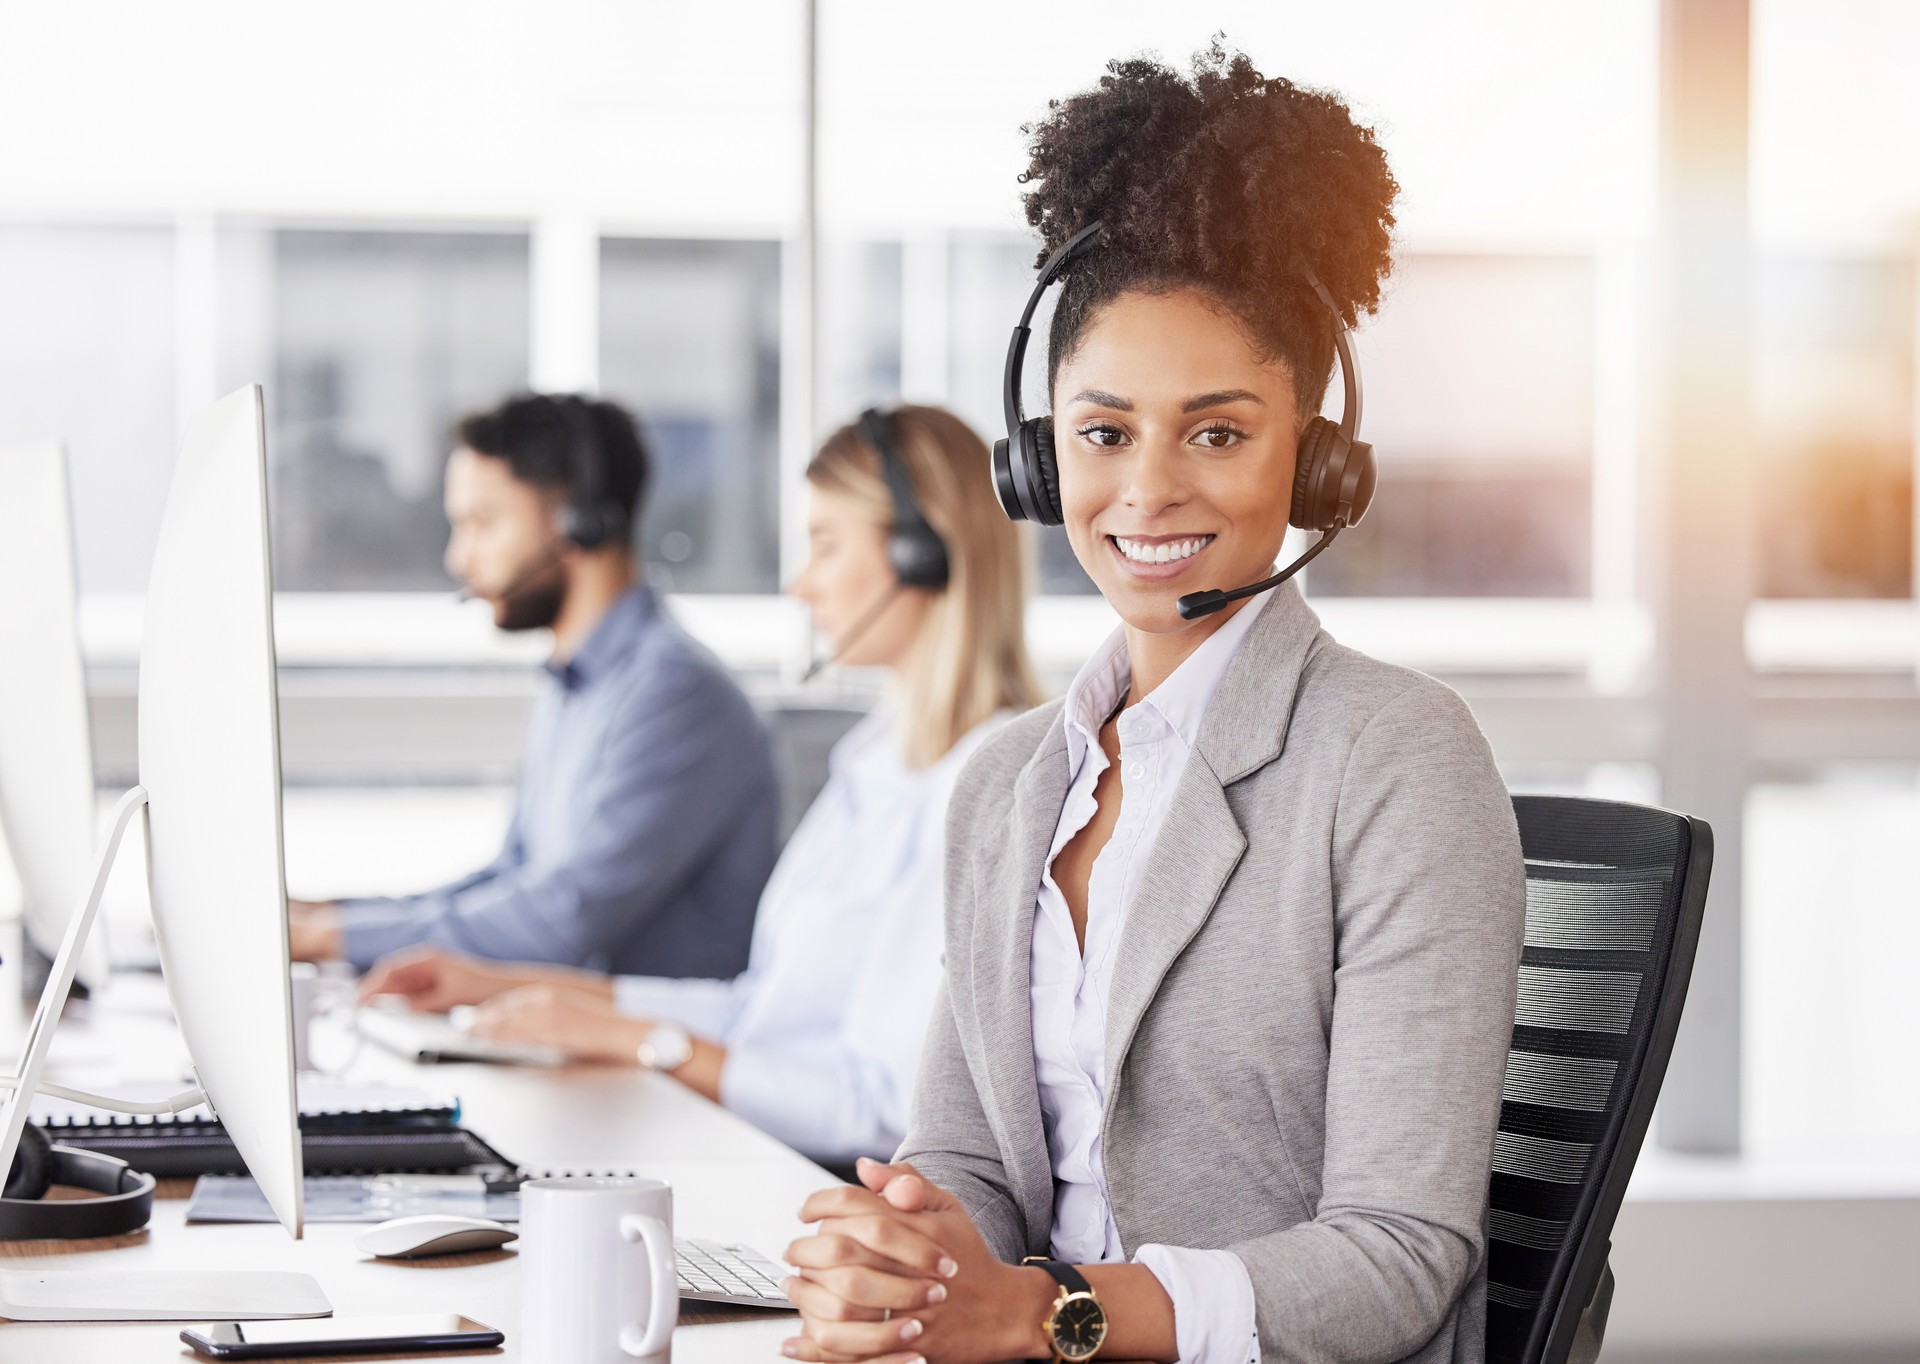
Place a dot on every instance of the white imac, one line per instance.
(46, 749)
(210, 791)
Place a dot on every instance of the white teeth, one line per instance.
(1165, 552)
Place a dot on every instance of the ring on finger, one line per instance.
(886, 1314)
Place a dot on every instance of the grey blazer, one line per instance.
(1309, 1016)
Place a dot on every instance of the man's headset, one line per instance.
(915, 550)
(123, 1201)
(593, 516)
(1334, 472)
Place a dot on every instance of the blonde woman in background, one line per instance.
(912, 568)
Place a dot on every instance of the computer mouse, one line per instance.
(415, 1238)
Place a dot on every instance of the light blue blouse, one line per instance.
(823, 1031)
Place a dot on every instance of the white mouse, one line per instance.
(413, 1238)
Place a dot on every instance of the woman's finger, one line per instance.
(832, 1251)
(843, 1200)
(890, 1236)
(799, 1347)
(818, 1304)
(872, 1288)
(865, 1339)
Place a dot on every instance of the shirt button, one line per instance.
(1135, 771)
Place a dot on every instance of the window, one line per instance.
(1478, 375)
(371, 345)
(1833, 412)
(690, 340)
(87, 351)
(1831, 930)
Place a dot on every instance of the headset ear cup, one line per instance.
(918, 558)
(1048, 471)
(1309, 475)
(589, 525)
(32, 1172)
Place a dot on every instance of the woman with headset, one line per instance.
(911, 568)
(1233, 930)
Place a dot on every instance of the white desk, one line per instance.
(730, 1182)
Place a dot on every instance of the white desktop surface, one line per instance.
(730, 1182)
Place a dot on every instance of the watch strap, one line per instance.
(1063, 1274)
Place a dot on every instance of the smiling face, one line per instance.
(1176, 443)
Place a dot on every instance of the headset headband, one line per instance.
(1349, 371)
(1076, 246)
(874, 430)
(583, 468)
(1082, 242)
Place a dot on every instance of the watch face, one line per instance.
(1079, 1325)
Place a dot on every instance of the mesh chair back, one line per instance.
(1615, 894)
(803, 735)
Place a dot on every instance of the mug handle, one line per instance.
(663, 1309)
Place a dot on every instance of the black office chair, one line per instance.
(1615, 894)
(803, 735)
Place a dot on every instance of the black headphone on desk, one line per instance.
(1334, 472)
(592, 517)
(124, 1204)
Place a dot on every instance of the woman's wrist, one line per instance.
(1026, 1303)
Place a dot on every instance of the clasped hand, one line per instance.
(896, 1272)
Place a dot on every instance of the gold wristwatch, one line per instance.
(1076, 1326)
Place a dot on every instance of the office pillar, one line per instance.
(1615, 667)
(1913, 463)
(800, 319)
(196, 315)
(564, 280)
(1704, 548)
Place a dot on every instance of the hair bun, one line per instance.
(1223, 179)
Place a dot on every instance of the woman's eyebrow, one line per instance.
(1102, 399)
(1224, 396)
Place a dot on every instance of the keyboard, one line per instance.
(712, 1272)
(428, 1039)
(331, 1144)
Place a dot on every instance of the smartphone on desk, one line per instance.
(339, 1336)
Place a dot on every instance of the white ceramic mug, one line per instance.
(598, 1284)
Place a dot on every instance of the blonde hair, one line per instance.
(971, 656)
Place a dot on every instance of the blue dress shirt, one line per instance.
(644, 821)
(823, 1032)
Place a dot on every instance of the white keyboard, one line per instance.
(711, 1272)
(431, 1038)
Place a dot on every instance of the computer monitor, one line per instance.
(46, 751)
(210, 791)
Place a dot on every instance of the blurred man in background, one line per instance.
(644, 821)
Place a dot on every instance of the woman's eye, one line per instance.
(1219, 437)
(1102, 435)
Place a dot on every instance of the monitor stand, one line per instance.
(118, 1294)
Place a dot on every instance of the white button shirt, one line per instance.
(1212, 1295)
(823, 1031)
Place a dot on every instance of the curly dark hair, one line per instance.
(1226, 181)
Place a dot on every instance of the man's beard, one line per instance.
(533, 604)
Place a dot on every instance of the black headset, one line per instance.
(914, 547)
(915, 551)
(1334, 472)
(592, 517)
(123, 1204)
